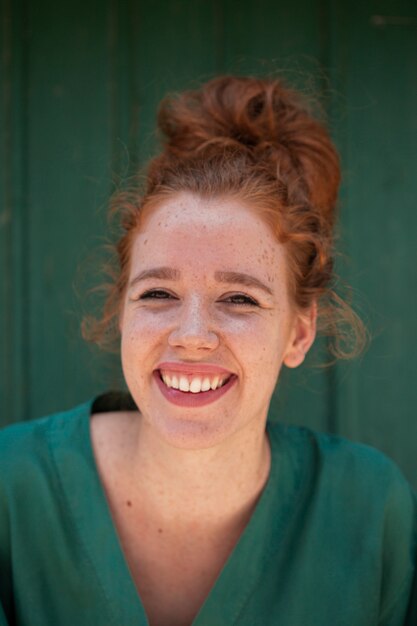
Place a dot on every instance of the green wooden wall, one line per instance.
(80, 82)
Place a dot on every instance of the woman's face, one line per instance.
(207, 305)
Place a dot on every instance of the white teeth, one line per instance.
(184, 384)
(193, 384)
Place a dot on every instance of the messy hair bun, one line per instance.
(256, 140)
(262, 120)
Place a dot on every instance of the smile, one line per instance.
(193, 390)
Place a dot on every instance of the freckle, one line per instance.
(129, 503)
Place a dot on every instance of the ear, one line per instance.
(302, 336)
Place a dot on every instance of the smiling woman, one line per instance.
(208, 317)
(180, 502)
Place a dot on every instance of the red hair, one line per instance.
(252, 139)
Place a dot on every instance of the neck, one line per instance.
(209, 485)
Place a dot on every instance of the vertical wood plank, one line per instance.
(378, 67)
(268, 36)
(5, 214)
(70, 158)
(173, 46)
(14, 400)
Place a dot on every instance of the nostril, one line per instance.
(195, 339)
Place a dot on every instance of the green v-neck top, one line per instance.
(331, 542)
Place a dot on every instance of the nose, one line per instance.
(194, 329)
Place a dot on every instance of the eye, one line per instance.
(242, 300)
(155, 294)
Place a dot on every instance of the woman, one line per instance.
(179, 503)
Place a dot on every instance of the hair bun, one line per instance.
(262, 117)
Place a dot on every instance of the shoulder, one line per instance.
(27, 476)
(348, 476)
(337, 458)
(25, 446)
(358, 498)
(25, 433)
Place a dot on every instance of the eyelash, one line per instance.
(152, 295)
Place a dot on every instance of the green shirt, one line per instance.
(331, 542)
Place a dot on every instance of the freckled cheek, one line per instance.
(142, 325)
(141, 335)
(253, 335)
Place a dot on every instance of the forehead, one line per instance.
(223, 231)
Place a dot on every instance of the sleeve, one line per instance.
(399, 582)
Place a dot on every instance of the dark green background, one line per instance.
(80, 82)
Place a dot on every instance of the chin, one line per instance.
(192, 433)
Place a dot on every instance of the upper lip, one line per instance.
(193, 368)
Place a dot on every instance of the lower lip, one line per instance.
(187, 398)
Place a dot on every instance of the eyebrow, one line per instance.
(241, 279)
(235, 278)
(164, 273)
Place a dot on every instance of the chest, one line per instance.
(173, 566)
(173, 571)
